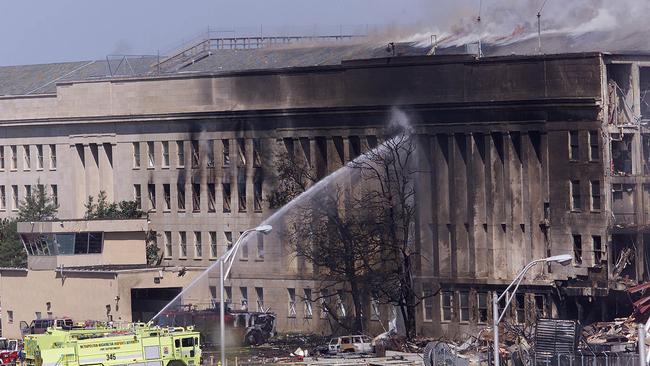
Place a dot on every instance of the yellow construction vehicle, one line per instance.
(135, 345)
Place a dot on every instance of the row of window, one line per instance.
(203, 150)
(15, 195)
(468, 306)
(294, 300)
(27, 157)
(574, 145)
(63, 243)
(179, 240)
(179, 190)
(596, 245)
(576, 196)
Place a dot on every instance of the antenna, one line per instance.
(478, 22)
(539, 27)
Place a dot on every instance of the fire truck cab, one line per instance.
(9, 349)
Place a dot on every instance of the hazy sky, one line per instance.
(43, 31)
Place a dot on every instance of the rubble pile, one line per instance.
(621, 330)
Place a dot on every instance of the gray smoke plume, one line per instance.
(567, 25)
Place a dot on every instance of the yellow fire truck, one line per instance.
(136, 345)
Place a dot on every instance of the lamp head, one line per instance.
(562, 259)
(264, 229)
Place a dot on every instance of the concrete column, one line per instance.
(105, 152)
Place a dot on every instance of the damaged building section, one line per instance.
(521, 157)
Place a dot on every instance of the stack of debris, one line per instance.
(618, 335)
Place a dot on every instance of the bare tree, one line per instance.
(358, 231)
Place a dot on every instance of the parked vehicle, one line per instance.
(351, 344)
(9, 349)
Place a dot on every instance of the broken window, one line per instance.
(14, 157)
(576, 202)
(372, 141)
(137, 195)
(622, 154)
(195, 154)
(180, 153)
(623, 203)
(598, 249)
(257, 193)
(646, 153)
(165, 154)
(540, 306)
(338, 147)
(210, 153)
(196, 197)
(594, 150)
(427, 304)
(14, 197)
(181, 196)
(55, 194)
(28, 160)
(167, 197)
(321, 157)
(259, 292)
(243, 291)
(520, 308)
(355, 147)
(225, 149)
(39, 157)
(595, 195)
(151, 189)
(463, 303)
(260, 247)
(212, 193)
(644, 85)
(375, 313)
(228, 235)
(182, 244)
(213, 244)
(241, 192)
(309, 313)
(577, 249)
(574, 146)
(244, 249)
(340, 304)
(620, 94)
(305, 146)
(324, 301)
(53, 157)
(168, 244)
(292, 302)
(151, 160)
(227, 294)
(241, 151)
(447, 306)
(482, 307)
(3, 198)
(198, 246)
(226, 196)
(257, 153)
(136, 155)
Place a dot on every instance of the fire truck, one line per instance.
(135, 345)
(8, 351)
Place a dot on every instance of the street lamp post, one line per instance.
(496, 317)
(227, 260)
